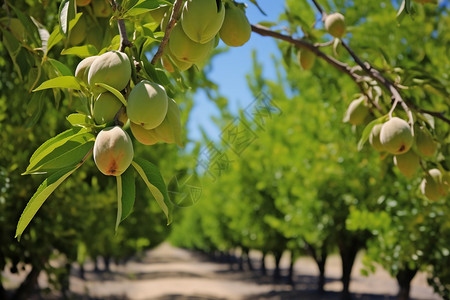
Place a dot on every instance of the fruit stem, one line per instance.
(173, 19)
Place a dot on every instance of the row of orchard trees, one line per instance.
(298, 181)
(77, 221)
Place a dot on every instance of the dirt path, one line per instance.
(171, 273)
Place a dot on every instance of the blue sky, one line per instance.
(230, 68)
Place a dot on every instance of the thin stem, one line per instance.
(173, 19)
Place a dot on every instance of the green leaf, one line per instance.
(155, 183)
(366, 132)
(54, 38)
(65, 149)
(28, 24)
(60, 137)
(69, 82)
(35, 108)
(68, 154)
(43, 192)
(114, 91)
(80, 120)
(126, 191)
(67, 12)
(59, 67)
(257, 5)
(81, 51)
(143, 6)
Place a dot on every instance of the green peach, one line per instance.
(306, 58)
(407, 163)
(425, 143)
(170, 129)
(112, 68)
(201, 19)
(186, 50)
(236, 29)
(106, 107)
(335, 25)
(113, 151)
(83, 67)
(78, 33)
(147, 104)
(357, 111)
(144, 136)
(101, 8)
(432, 185)
(396, 136)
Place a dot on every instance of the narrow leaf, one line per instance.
(81, 51)
(114, 91)
(59, 67)
(43, 192)
(63, 135)
(69, 82)
(54, 38)
(80, 120)
(67, 154)
(144, 6)
(155, 183)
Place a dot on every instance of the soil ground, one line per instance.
(167, 273)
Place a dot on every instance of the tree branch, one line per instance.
(124, 42)
(173, 19)
(343, 67)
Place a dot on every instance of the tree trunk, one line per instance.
(82, 271)
(96, 268)
(277, 273)
(65, 281)
(28, 285)
(263, 264)
(321, 265)
(404, 278)
(291, 268)
(107, 262)
(348, 254)
(320, 260)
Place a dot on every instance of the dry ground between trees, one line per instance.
(171, 273)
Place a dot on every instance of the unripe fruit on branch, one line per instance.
(335, 25)
(357, 111)
(425, 143)
(407, 163)
(432, 185)
(167, 64)
(396, 136)
(306, 58)
(170, 129)
(113, 151)
(112, 68)
(184, 49)
(144, 136)
(147, 104)
(78, 32)
(201, 19)
(83, 67)
(106, 107)
(236, 29)
(101, 8)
